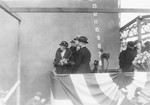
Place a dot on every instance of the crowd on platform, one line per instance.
(76, 58)
(73, 59)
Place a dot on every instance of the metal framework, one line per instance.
(137, 29)
(78, 10)
(8, 10)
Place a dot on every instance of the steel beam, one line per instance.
(78, 10)
(4, 6)
(135, 20)
(129, 23)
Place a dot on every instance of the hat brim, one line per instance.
(62, 45)
(76, 38)
(72, 41)
(83, 41)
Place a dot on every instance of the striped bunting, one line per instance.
(96, 89)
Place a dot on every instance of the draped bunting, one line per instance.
(99, 88)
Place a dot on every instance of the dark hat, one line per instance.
(83, 39)
(130, 44)
(72, 41)
(76, 38)
(64, 43)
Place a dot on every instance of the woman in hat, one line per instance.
(82, 64)
(126, 57)
(62, 59)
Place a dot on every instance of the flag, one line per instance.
(97, 88)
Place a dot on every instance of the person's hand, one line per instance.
(78, 48)
(61, 62)
(65, 61)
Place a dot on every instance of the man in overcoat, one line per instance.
(82, 64)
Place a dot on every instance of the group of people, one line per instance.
(76, 58)
(73, 59)
(127, 56)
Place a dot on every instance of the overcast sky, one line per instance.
(126, 17)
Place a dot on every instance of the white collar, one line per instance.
(83, 46)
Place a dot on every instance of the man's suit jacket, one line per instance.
(82, 64)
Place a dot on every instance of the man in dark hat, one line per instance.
(82, 64)
(126, 57)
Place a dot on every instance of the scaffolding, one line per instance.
(136, 29)
(16, 86)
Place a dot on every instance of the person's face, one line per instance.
(76, 42)
(80, 44)
(73, 44)
(62, 47)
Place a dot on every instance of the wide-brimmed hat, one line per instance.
(76, 38)
(72, 41)
(83, 39)
(130, 44)
(64, 43)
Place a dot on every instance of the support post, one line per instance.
(19, 65)
(139, 28)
